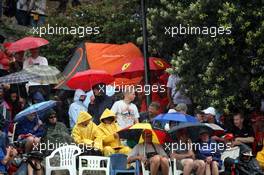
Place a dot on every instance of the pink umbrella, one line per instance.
(26, 44)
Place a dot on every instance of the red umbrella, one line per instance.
(135, 68)
(26, 44)
(87, 79)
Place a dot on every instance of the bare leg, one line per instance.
(214, 168)
(154, 165)
(199, 165)
(187, 166)
(164, 162)
(30, 170)
(207, 169)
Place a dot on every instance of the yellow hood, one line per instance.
(83, 117)
(107, 113)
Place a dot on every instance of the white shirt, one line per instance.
(126, 113)
(176, 96)
(38, 61)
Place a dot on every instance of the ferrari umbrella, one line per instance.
(87, 79)
(26, 44)
(18, 77)
(38, 108)
(135, 132)
(135, 68)
(47, 74)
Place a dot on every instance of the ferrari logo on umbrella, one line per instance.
(159, 63)
(125, 66)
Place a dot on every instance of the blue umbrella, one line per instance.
(38, 108)
(176, 116)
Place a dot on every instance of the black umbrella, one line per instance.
(193, 129)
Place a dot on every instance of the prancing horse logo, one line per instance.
(125, 66)
(159, 63)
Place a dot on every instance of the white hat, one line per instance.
(172, 111)
(210, 110)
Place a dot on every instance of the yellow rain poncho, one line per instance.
(111, 144)
(260, 157)
(89, 134)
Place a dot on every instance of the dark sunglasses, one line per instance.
(52, 116)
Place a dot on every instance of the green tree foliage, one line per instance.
(224, 71)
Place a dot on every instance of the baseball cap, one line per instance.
(210, 110)
(229, 136)
(202, 131)
(248, 153)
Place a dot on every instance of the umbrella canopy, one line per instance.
(191, 127)
(18, 77)
(38, 108)
(47, 74)
(26, 44)
(135, 68)
(87, 79)
(176, 116)
(135, 132)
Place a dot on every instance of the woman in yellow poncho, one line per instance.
(108, 130)
(260, 157)
(86, 132)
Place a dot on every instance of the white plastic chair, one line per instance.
(147, 172)
(94, 164)
(67, 156)
(175, 170)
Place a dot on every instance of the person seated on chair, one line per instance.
(86, 133)
(184, 155)
(153, 155)
(55, 132)
(230, 153)
(207, 151)
(108, 130)
(29, 131)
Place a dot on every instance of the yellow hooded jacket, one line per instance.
(86, 135)
(107, 130)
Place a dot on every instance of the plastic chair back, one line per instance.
(118, 161)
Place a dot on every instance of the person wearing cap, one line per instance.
(85, 132)
(208, 152)
(100, 102)
(108, 129)
(243, 133)
(185, 156)
(210, 114)
(151, 154)
(230, 154)
(55, 132)
(77, 106)
(247, 163)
